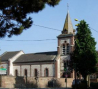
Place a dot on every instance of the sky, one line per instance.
(38, 38)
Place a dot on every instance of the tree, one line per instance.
(13, 14)
(84, 56)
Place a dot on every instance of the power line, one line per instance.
(31, 40)
(47, 27)
(57, 29)
(43, 39)
(94, 29)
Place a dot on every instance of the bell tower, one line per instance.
(65, 44)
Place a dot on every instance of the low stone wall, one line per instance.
(10, 81)
(20, 82)
(94, 80)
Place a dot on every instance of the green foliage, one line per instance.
(94, 85)
(21, 83)
(31, 85)
(82, 85)
(53, 84)
(97, 53)
(84, 55)
(13, 14)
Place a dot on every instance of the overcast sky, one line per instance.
(42, 39)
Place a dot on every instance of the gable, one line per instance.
(7, 55)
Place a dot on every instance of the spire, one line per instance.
(68, 28)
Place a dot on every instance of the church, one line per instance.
(42, 64)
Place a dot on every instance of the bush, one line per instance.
(31, 85)
(82, 85)
(53, 83)
(94, 85)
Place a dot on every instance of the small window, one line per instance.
(63, 49)
(25, 72)
(67, 48)
(46, 72)
(36, 73)
(16, 72)
(65, 64)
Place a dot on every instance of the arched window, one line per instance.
(25, 72)
(46, 72)
(66, 65)
(68, 49)
(63, 49)
(36, 72)
(16, 72)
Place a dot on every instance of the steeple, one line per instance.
(68, 28)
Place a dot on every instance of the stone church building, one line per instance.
(43, 64)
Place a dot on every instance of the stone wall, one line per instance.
(20, 82)
(94, 80)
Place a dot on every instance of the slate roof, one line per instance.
(7, 55)
(36, 57)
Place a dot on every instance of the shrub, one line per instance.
(94, 85)
(53, 83)
(31, 85)
(81, 85)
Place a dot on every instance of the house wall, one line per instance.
(58, 68)
(16, 68)
(23, 67)
(11, 60)
(33, 67)
(30, 69)
(50, 68)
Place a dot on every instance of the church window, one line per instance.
(25, 72)
(46, 72)
(36, 73)
(67, 48)
(66, 65)
(63, 49)
(16, 72)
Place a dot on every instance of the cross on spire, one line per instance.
(67, 7)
